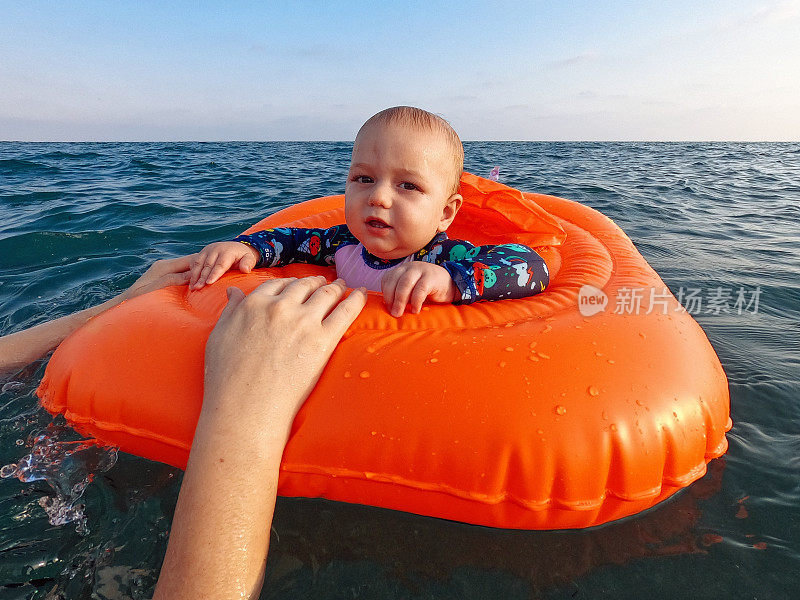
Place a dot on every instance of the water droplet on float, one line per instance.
(604, 416)
(642, 335)
(371, 349)
(613, 427)
(560, 410)
(533, 358)
(611, 362)
(593, 391)
(434, 360)
(543, 355)
(532, 345)
(347, 374)
(509, 348)
(639, 402)
(364, 374)
(501, 364)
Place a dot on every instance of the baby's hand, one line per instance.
(413, 282)
(215, 259)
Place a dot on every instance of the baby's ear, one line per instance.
(450, 210)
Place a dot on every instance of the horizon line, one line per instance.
(562, 141)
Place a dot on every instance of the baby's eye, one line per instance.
(407, 185)
(362, 179)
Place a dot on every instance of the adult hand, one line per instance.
(277, 340)
(162, 273)
(262, 360)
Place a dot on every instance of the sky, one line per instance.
(315, 70)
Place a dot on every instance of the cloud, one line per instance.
(461, 98)
(774, 13)
(571, 61)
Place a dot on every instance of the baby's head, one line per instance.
(402, 188)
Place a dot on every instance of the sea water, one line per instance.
(79, 222)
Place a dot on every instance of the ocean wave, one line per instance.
(79, 222)
(15, 167)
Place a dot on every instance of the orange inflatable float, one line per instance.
(528, 414)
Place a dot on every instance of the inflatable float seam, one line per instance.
(494, 499)
(692, 475)
(127, 429)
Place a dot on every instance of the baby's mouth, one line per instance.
(377, 223)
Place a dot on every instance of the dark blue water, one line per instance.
(78, 223)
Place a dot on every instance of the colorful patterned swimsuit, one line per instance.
(479, 272)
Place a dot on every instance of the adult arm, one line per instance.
(21, 348)
(262, 360)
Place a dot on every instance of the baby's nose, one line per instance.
(380, 197)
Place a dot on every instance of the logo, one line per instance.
(591, 300)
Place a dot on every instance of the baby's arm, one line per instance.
(268, 248)
(492, 272)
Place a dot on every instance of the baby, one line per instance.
(400, 198)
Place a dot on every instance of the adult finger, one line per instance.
(272, 287)
(235, 298)
(235, 295)
(173, 279)
(301, 289)
(324, 298)
(173, 265)
(343, 315)
(403, 291)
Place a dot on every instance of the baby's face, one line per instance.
(398, 193)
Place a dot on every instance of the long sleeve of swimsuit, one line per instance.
(489, 272)
(285, 245)
(479, 272)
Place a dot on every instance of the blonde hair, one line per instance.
(422, 119)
